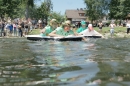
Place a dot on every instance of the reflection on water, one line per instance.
(99, 62)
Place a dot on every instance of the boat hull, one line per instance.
(46, 38)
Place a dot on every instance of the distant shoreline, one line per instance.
(106, 35)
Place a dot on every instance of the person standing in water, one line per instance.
(49, 28)
(112, 26)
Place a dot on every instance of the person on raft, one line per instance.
(49, 28)
(90, 27)
(64, 30)
(82, 28)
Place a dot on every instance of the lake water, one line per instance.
(98, 62)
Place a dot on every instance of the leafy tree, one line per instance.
(126, 10)
(45, 9)
(96, 9)
(116, 9)
(119, 9)
(48, 8)
(54, 15)
(8, 7)
(27, 4)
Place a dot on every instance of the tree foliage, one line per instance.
(45, 9)
(119, 9)
(60, 18)
(96, 9)
(25, 8)
(27, 4)
(9, 7)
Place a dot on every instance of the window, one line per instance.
(81, 14)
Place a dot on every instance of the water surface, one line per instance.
(99, 62)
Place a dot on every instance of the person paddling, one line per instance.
(49, 28)
(82, 28)
(64, 30)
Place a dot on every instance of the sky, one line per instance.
(62, 5)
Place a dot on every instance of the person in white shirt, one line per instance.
(128, 27)
(40, 23)
(90, 27)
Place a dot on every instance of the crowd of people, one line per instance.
(17, 27)
(22, 27)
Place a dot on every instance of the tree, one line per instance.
(27, 4)
(96, 9)
(45, 9)
(9, 7)
(116, 9)
(119, 9)
(126, 10)
(54, 15)
(48, 8)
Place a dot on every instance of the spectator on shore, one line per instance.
(26, 28)
(40, 23)
(0, 28)
(20, 31)
(128, 27)
(112, 26)
(100, 25)
(15, 29)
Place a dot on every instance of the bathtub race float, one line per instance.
(46, 38)
(85, 33)
(91, 34)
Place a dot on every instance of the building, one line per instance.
(75, 15)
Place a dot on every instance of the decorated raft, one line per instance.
(85, 33)
(91, 34)
(46, 38)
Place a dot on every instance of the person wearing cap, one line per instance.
(82, 28)
(49, 28)
(64, 30)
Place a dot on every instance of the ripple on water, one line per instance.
(65, 63)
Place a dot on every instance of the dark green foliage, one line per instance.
(119, 9)
(96, 9)
(8, 7)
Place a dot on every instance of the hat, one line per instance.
(66, 23)
(53, 21)
(83, 23)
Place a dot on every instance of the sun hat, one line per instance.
(66, 23)
(53, 21)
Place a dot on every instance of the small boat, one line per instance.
(46, 38)
(91, 34)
